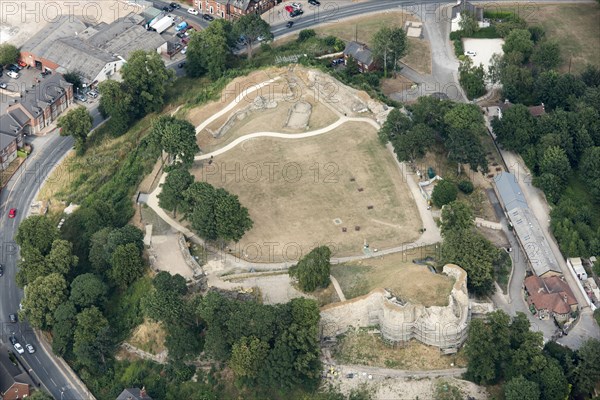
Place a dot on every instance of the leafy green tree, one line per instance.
(457, 215)
(443, 193)
(39, 395)
(537, 33)
(165, 306)
(92, 340)
(591, 76)
(397, 122)
(519, 43)
(36, 232)
(389, 46)
(144, 77)
(519, 388)
(414, 143)
(468, 24)
(247, 357)
(587, 371)
(465, 186)
(528, 360)
(546, 55)
(76, 123)
(44, 295)
(177, 138)
(251, 27)
(126, 265)
(552, 381)
(557, 90)
(183, 341)
(352, 68)
(312, 271)
(61, 258)
(517, 84)
(233, 220)
(306, 34)
(9, 54)
(63, 328)
(552, 185)
(471, 79)
(430, 111)
(590, 170)
(116, 103)
(74, 78)
(88, 290)
(555, 161)
(479, 350)
(517, 128)
(177, 182)
(464, 129)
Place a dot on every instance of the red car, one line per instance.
(289, 9)
(22, 64)
(12, 213)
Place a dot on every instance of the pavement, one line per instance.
(43, 366)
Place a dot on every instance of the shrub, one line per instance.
(306, 34)
(465, 186)
(444, 192)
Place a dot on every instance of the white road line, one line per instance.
(38, 360)
(45, 370)
(52, 380)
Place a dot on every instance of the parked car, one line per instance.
(314, 3)
(93, 94)
(175, 6)
(81, 98)
(184, 50)
(296, 13)
(166, 9)
(13, 318)
(30, 348)
(22, 64)
(180, 35)
(185, 40)
(208, 17)
(1, 270)
(12, 213)
(289, 8)
(192, 11)
(297, 6)
(3, 85)
(13, 340)
(290, 24)
(13, 74)
(19, 348)
(337, 61)
(470, 53)
(13, 67)
(181, 65)
(17, 66)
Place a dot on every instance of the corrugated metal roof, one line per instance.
(510, 192)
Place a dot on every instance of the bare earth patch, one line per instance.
(395, 85)
(149, 336)
(295, 190)
(396, 272)
(363, 348)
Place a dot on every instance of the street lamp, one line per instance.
(62, 393)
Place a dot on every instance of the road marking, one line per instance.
(52, 380)
(38, 360)
(45, 370)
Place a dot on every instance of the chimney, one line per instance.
(143, 392)
(506, 101)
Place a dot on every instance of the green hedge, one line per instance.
(22, 154)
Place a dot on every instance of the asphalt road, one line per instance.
(21, 190)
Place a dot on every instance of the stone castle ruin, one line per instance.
(443, 327)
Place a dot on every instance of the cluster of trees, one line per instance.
(76, 123)
(9, 54)
(213, 212)
(176, 137)
(389, 46)
(562, 148)
(140, 93)
(459, 127)
(312, 271)
(272, 346)
(464, 246)
(471, 78)
(503, 350)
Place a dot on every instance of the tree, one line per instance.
(64, 327)
(389, 46)
(397, 122)
(479, 350)
(352, 68)
(494, 72)
(127, 265)
(430, 111)
(517, 83)
(76, 123)
(312, 271)
(590, 170)
(183, 341)
(176, 137)
(555, 161)
(456, 215)
(215, 48)
(552, 381)
(552, 186)
(471, 79)
(251, 27)
(519, 43)
(517, 128)
(116, 103)
(466, 186)
(92, 339)
(74, 78)
(39, 395)
(233, 220)
(444, 192)
(165, 282)
(144, 77)
(247, 357)
(177, 182)
(520, 388)
(44, 295)
(306, 34)
(414, 143)
(587, 371)
(88, 290)
(546, 55)
(464, 129)
(61, 259)
(36, 232)
(166, 306)
(591, 76)
(8, 54)
(468, 24)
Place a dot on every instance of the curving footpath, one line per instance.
(431, 235)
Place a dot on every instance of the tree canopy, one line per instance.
(76, 123)
(251, 27)
(177, 138)
(312, 271)
(443, 193)
(43, 297)
(8, 54)
(390, 44)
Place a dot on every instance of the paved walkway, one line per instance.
(338, 288)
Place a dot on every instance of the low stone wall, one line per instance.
(189, 260)
(160, 358)
(443, 327)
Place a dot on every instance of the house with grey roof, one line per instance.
(463, 7)
(527, 230)
(95, 52)
(361, 54)
(134, 394)
(41, 106)
(11, 138)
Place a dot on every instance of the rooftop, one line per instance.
(509, 190)
(36, 99)
(360, 52)
(134, 394)
(465, 6)
(551, 293)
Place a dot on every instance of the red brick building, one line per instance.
(233, 9)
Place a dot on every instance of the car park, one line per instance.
(13, 318)
(208, 17)
(12, 213)
(13, 67)
(314, 3)
(289, 24)
(30, 348)
(180, 35)
(192, 11)
(296, 13)
(19, 348)
(13, 74)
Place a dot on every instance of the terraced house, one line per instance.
(233, 9)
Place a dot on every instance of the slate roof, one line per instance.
(241, 4)
(133, 394)
(37, 99)
(360, 52)
(19, 117)
(74, 54)
(65, 26)
(465, 6)
(509, 191)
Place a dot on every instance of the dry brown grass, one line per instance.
(58, 181)
(7, 173)
(149, 336)
(295, 189)
(363, 348)
(418, 56)
(395, 85)
(396, 272)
